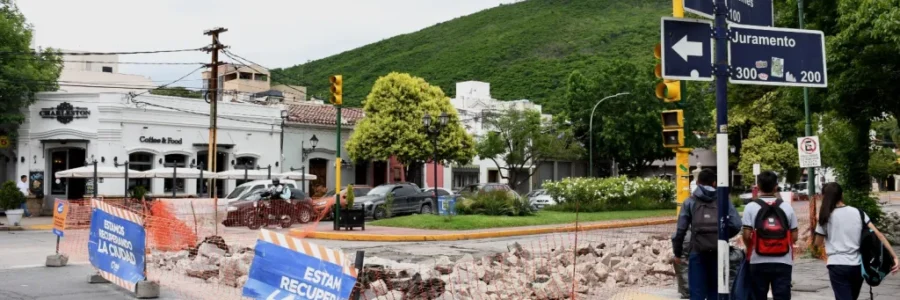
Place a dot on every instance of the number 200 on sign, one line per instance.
(809, 76)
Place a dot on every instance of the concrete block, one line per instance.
(146, 290)
(96, 278)
(57, 260)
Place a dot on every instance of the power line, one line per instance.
(136, 63)
(103, 53)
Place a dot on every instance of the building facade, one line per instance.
(67, 130)
(473, 102)
(98, 73)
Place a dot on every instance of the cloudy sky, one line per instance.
(273, 33)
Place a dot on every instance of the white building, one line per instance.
(97, 74)
(473, 102)
(65, 130)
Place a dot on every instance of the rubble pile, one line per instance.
(890, 227)
(211, 260)
(599, 269)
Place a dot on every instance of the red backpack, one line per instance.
(771, 230)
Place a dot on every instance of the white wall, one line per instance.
(115, 125)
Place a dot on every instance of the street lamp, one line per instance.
(591, 133)
(434, 132)
(284, 116)
(314, 141)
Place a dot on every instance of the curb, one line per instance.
(469, 236)
(11, 228)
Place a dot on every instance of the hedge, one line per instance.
(612, 193)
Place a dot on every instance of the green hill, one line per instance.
(525, 50)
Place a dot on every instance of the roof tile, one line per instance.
(322, 114)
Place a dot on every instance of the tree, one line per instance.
(392, 125)
(177, 91)
(627, 128)
(23, 72)
(883, 164)
(764, 146)
(522, 141)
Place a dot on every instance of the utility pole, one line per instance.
(722, 201)
(213, 95)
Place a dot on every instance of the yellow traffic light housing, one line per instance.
(673, 138)
(337, 83)
(669, 90)
(673, 119)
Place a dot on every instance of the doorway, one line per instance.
(221, 165)
(61, 160)
(379, 173)
(318, 167)
(361, 172)
(493, 176)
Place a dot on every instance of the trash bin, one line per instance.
(447, 205)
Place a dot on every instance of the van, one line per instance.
(252, 186)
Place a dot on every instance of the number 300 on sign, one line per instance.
(745, 73)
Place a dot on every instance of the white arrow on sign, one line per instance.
(686, 48)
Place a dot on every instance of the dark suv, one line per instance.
(408, 198)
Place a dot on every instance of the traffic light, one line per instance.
(673, 128)
(336, 90)
(668, 90)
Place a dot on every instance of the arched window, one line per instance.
(244, 162)
(140, 161)
(175, 160)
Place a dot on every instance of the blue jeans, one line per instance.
(702, 276)
(776, 275)
(25, 211)
(846, 281)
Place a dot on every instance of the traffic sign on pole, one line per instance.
(749, 12)
(686, 49)
(777, 56)
(810, 152)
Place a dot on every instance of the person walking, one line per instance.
(839, 230)
(770, 230)
(699, 214)
(23, 187)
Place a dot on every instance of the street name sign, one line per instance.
(686, 49)
(810, 152)
(777, 56)
(749, 12)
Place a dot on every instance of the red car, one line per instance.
(239, 209)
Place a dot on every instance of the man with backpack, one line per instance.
(770, 231)
(700, 215)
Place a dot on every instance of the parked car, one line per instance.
(239, 209)
(440, 191)
(408, 198)
(540, 198)
(472, 189)
(321, 203)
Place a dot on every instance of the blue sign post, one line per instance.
(777, 56)
(749, 12)
(686, 49)
(116, 246)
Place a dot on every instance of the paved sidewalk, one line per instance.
(28, 223)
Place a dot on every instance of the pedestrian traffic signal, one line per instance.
(336, 90)
(673, 128)
(668, 90)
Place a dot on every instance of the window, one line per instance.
(178, 160)
(244, 162)
(246, 75)
(403, 191)
(107, 69)
(262, 77)
(360, 191)
(140, 161)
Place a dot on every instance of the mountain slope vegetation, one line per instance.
(525, 50)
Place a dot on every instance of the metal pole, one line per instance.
(591, 133)
(269, 175)
(126, 183)
(282, 138)
(246, 167)
(303, 182)
(337, 171)
(721, 67)
(200, 192)
(174, 175)
(360, 256)
(434, 161)
(95, 179)
(811, 172)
